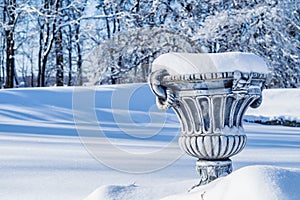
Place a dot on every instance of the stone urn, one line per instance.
(210, 94)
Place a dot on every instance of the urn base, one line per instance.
(210, 170)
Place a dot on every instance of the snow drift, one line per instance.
(248, 183)
(278, 104)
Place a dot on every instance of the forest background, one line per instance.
(82, 42)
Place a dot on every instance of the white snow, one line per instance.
(277, 104)
(248, 183)
(42, 156)
(190, 63)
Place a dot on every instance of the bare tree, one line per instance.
(77, 14)
(10, 19)
(59, 28)
(127, 57)
(46, 38)
(58, 38)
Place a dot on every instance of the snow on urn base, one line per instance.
(210, 94)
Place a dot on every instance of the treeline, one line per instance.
(69, 42)
(39, 39)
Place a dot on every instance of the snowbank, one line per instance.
(248, 183)
(278, 105)
(135, 192)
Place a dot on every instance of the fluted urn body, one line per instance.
(210, 107)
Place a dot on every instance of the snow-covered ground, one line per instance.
(107, 143)
(280, 104)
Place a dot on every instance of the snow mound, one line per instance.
(278, 104)
(113, 192)
(134, 192)
(190, 63)
(250, 183)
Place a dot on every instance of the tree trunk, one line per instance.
(43, 72)
(79, 57)
(58, 45)
(59, 58)
(31, 70)
(9, 35)
(107, 22)
(46, 41)
(40, 56)
(69, 48)
(3, 45)
(10, 60)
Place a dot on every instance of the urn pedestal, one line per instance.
(210, 107)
